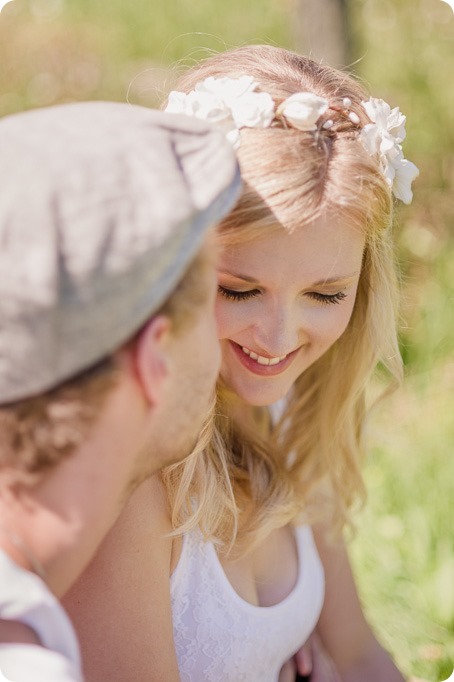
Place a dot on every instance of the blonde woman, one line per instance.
(212, 573)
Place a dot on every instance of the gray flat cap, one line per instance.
(102, 208)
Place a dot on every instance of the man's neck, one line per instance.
(54, 526)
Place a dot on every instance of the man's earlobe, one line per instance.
(151, 358)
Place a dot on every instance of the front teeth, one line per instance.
(260, 359)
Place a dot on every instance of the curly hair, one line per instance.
(39, 432)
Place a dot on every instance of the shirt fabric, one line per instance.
(24, 597)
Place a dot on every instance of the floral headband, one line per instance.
(233, 103)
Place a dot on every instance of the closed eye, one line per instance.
(326, 299)
(237, 295)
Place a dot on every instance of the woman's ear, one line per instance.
(151, 358)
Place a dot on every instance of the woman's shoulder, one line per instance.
(135, 548)
(127, 582)
(148, 507)
(141, 530)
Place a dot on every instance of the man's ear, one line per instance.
(151, 362)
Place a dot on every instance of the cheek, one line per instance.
(328, 325)
(231, 318)
(221, 318)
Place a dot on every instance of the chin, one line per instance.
(260, 396)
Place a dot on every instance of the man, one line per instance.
(108, 348)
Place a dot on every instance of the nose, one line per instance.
(279, 330)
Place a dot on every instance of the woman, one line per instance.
(306, 309)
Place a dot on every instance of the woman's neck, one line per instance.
(247, 417)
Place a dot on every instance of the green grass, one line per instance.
(404, 551)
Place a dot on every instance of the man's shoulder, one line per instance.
(34, 663)
(26, 600)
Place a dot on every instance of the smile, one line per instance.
(260, 365)
(262, 360)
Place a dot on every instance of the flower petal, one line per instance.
(384, 136)
(253, 110)
(226, 88)
(176, 103)
(303, 109)
(406, 172)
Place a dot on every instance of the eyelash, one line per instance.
(326, 299)
(237, 295)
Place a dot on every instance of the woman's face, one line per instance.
(283, 300)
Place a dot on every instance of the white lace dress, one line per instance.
(219, 637)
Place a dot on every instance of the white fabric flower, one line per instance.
(389, 121)
(384, 137)
(199, 104)
(176, 103)
(404, 173)
(303, 109)
(227, 89)
(231, 103)
(253, 110)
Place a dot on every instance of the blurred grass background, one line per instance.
(64, 50)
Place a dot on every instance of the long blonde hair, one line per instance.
(244, 484)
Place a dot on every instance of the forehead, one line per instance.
(321, 249)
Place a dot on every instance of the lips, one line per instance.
(261, 359)
(258, 364)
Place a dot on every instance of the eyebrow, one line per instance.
(343, 279)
